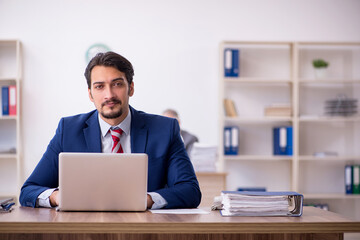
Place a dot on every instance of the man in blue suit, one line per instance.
(171, 179)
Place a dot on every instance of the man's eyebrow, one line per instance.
(115, 79)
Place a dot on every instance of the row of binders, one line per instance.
(8, 100)
(282, 140)
(352, 179)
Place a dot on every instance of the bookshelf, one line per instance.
(282, 73)
(10, 147)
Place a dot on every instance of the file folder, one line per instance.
(12, 100)
(5, 100)
(231, 62)
(348, 179)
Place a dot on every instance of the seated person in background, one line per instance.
(171, 179)
(189, 139)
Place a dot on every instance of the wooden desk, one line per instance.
(28, 223)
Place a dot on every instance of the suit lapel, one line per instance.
(92, 134)
(138, 132)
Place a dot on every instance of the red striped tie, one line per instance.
(115, 134)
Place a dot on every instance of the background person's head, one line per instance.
(172, 114)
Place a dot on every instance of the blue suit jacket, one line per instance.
(170, 173)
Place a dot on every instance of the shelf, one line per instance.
(8, 155)
(274, 73)
(256, 80)
(329, 158)
(256, 158)
(257, 120)
(330, 196)
(8, 117)
(328, 119)
(329, 81)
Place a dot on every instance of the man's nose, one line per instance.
(109, 93)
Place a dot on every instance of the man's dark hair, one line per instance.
(110, 59)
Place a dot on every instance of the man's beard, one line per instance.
(112, 115)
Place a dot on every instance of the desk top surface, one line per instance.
(29, 220)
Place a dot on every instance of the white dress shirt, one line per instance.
(43, 199)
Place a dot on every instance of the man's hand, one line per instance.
(54, 198)
(150, 202)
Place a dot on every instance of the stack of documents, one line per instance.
(237, 203)
(203, 157)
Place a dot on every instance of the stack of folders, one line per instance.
(237, 203)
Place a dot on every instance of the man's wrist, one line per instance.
(53, 198)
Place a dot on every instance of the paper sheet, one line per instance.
(180, 211)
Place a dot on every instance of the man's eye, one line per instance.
(98, 87)
(118, 84)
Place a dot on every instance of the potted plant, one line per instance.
(320, 67)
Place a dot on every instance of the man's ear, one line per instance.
(90, 95)
(131, 89)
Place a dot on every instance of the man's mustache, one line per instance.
(113, 100)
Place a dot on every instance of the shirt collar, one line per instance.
(124, 125)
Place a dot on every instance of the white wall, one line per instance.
(173, 46)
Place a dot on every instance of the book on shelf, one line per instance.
(231, 140)
(283, 140)
(238, 203)
(230, 110)
(231, 62)
(278, 110)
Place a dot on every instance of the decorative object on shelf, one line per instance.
(229, 106)
(95, 49)
(231, 62)
(283, 140)
(278, 110)
(320, 67)
(341, 106)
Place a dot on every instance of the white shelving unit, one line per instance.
(10, 139)
(282, 73)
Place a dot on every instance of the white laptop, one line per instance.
(102, 181)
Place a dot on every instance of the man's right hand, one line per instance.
(54, 198)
